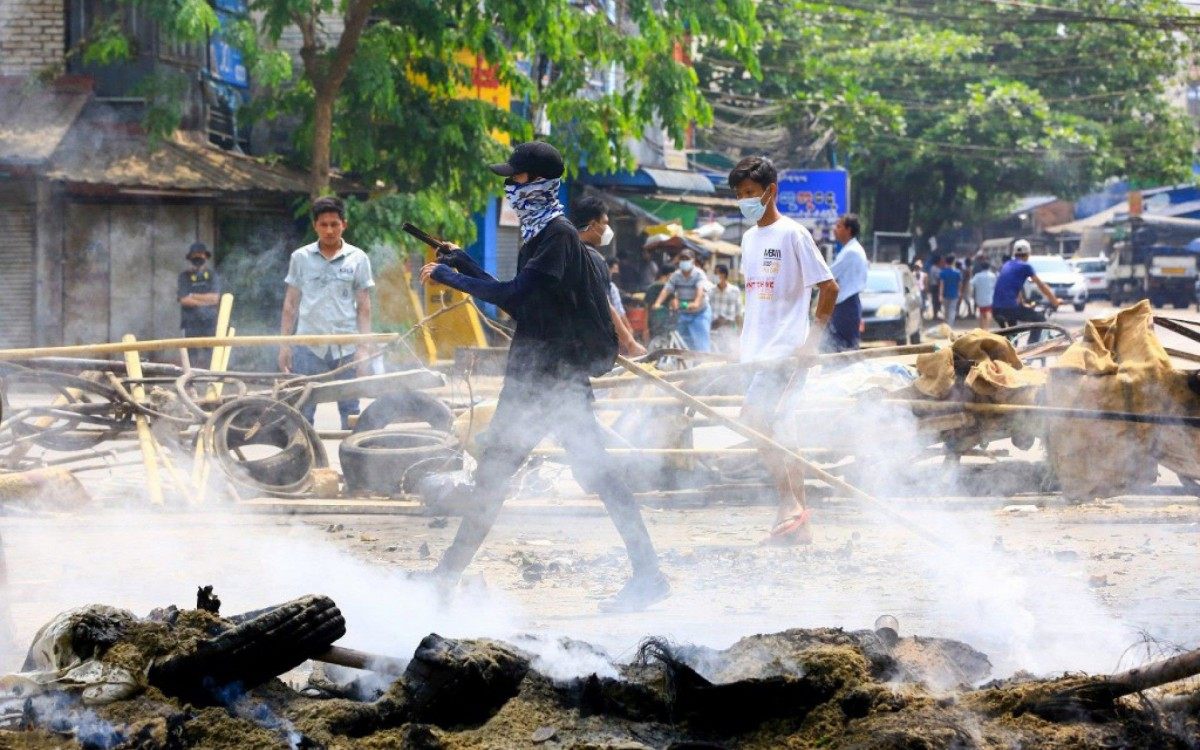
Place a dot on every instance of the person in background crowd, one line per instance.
(689, 285)
(850, 271)
(951, 284)
(935, 287)
(922, 280)
(614, 294)
(966, 303)
(199, 293)
(1007, 301)
(328, 291)
(590, 217)
(650, 271)
(727, 312)
(983, 287)
(782, 267)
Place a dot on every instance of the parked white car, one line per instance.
(1067, 283)
(1095, 273)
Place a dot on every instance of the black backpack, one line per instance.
(596, 350)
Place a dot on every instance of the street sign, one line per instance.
(814, 196)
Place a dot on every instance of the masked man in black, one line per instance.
(564, 334)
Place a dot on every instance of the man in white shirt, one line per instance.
(782, 265)
(726, 302)
(850, 271)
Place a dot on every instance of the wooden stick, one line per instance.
(769, 443)
(635, 401)
(133, 365)
(220, 354)
(660, 451)
(355, 659)
(785, 363)
(156, 345)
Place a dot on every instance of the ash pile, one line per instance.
(101, 677)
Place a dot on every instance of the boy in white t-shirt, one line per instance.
(782, 265)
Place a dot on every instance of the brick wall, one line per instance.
(32, 35)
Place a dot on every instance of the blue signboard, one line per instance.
(814, 196)
(225, 61)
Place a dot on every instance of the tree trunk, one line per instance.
(322, 135)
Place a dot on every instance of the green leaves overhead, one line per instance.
(944, 110)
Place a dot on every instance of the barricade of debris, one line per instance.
(100, 677)
(1106, 409)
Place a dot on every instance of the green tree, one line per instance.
(381, 100)
(945, 110)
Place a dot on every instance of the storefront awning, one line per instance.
(653, 179)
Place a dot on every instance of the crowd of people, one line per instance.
(993, 296)
(571, 321)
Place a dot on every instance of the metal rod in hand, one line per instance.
(769, 443)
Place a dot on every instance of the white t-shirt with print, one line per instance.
(781, 264)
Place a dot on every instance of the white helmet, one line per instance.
(1021, 247)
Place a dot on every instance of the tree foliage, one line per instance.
(401, 126)
(945, 110)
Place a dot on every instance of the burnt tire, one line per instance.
(386, 462)
(251, 652)
(405, 406)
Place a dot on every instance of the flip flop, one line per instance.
(793, 530)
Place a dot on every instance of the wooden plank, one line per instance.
(85, 274)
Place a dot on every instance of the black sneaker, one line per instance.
(638, 593)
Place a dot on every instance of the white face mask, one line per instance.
(753, 208)
(607, 237)
(686, 266)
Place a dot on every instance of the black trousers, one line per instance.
(200, 358)
(526, 413)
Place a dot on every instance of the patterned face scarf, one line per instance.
(536, 203)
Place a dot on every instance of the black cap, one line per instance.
(535, 157)
(198, 247)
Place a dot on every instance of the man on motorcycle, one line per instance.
(1006, 304)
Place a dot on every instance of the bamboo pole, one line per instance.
(133, 365)
(156, 345)
(786, 363)
(220, 354)
(770, 443)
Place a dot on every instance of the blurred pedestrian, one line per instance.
(921, 278)
(328, 292)
(983, 288)
(726, 312)
(850, 271)
(782, 266)
(564, 334)
(199, 294)
(590, 217)
(949, 288)
(689, 287)
(935, 287)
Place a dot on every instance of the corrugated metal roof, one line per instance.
(34, 119)
(675, 179)
(103, 155)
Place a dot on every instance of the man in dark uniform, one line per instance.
(559, 300)
(199, 294)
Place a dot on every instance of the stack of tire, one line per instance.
(381, 459)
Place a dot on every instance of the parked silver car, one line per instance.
(891, 305)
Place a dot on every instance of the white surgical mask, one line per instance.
(752, 208)
(686, 265)
(607, 237)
